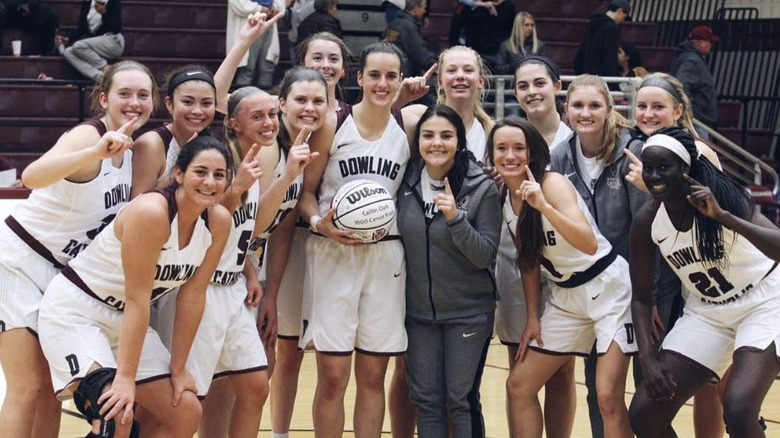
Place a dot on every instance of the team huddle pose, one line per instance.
(170, 283)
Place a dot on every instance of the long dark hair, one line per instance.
(529, 235)
(731, 197)
(463, 156)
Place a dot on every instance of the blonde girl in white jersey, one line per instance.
(379, 75)
(280, 310)
(78, 186)
(273, 180)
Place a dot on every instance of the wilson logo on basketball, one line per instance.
(354, 197)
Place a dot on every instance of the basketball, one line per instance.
(364, 207)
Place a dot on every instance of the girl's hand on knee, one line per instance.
(182, 381)
(118, 400)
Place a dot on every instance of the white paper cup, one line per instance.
(16, 46)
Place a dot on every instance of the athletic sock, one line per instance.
(280, 435)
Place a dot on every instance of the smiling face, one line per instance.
(257, 119)
(193, 106)
(129, 96)
(304, 106)
(510, 152)
(535, 89)
(380, 78)
(460, 76)
(205, 179)
(662, 172)
(438, 145)
(326, 57)
(655, 109)
(587, 109)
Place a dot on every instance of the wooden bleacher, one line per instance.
(167, 34)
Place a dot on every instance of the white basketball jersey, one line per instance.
(717, 283)
(352, 157)
(243, 225)
(66, 216)
(257, 246)
(560, 260)
(99, 270)
(476, 139)
(170, 159)
(507, 272)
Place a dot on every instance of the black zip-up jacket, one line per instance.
(112, 21)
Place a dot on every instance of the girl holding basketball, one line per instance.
(357, 290)
(78, 187)
(589, 292)
(280, 309)
(449, 218)
(726, 254)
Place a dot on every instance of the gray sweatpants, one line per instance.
(444, 363)
(90, 55)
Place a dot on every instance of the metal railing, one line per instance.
(739, 163)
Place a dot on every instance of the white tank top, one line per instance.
(66, 216)
(98, 271)
(257, 246)
(243, 224)
(475, 141)
(560, 260)
(352, 157)
(507, 273)
(745, 266)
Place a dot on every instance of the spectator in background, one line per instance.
(521, 44)
(405, 33)
(689, 67)
(486, 28)
(30, 16)
(98, 38)
(597, 54)
(392, 9)
(298, 10)
(323, 19)
(257, 66)
(630, 61)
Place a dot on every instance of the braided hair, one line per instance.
(731, 197)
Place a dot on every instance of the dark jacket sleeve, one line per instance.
(608, 63)
(417, 51)
(504, 60)
(112, 18)
(542, 49)
(688, 74)
(479, 241)
(83, 28)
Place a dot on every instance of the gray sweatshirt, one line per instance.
(450, 265)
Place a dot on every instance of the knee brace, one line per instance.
(89, 392)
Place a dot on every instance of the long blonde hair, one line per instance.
(614, 122)
(479, 111)
(517, 39)
(675, 89)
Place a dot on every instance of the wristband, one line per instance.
(313, 221)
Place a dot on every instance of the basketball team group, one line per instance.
(169, 282)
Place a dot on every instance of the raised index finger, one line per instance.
(302, 136)
(252, 153)
(634, 159)
(692, 181)
(129, 127)
(447, 188)
(428, 74)
(529, 174)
